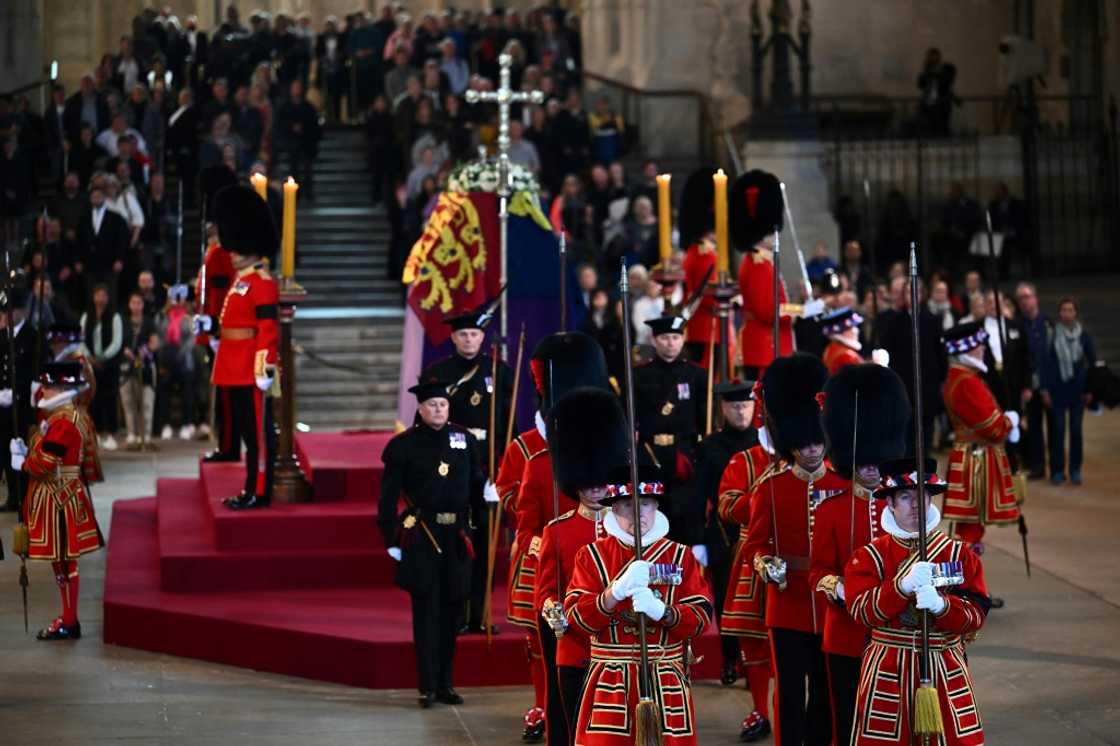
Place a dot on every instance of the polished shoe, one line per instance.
(729, 674)
(59, 631)
(753, 728)
(427, 699)
(219, 457)
(449, 696)
(996, 602)
(245, 501)
(534, 725)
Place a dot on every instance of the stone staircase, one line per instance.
(351, 324)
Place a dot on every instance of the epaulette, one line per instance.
(563, 517)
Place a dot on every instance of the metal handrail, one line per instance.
(52, 75)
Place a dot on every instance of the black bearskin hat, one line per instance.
(789, 389)
(564, 361)
(587, 439)
(883, 411)
(756, 208)
(696, 212)
(245, 224)
(212, 180)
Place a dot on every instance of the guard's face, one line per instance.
(591, 496)
(668, 345)
(810, 457)
(904, 505)
(737, 414)
(435, 411)
(867, 475)
(624, 513)
(467, 341)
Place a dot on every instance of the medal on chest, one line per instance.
(684, 393)
(241, 288)
(664, 573)
(457, 441)
(444, 469)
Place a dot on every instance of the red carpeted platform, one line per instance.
(304, 590)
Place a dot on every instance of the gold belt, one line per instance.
(629, 653)
(446, 519)
(664, 439)
(238, 333)
(912, 640)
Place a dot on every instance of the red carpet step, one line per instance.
(297, 590)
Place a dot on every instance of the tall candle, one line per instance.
(260, 183)
(719, 181)
(664, 219)
(288, 243)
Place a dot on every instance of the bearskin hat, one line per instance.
(212, 180)
(587, 438)
(564, 361)
(789, 389)
(245, 224)
(877, 419)
(696, 212)
(756, 208)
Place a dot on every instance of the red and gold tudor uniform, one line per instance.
(58, 511)
(211, 294)
(610, 695)
(843, 347)
(981, 489)
(68, 339)
(889, 674)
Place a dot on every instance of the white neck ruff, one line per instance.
(973, 362)
(59, 400)
(853, 344)
(659, 530)
(890, 525)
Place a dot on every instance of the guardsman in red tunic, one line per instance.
(696, 215)
(755, 213)
(841, 327)
(887, 588)
(864, 419)
(58, 511)
(214, 282)
(589, 445)
(247, 354)
(779, 543)
(560, 363)
(609, 588)
(981, 489)
(66, 345)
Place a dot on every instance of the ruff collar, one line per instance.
(933, 517)
(659, 531)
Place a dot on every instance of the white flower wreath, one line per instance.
(483, 176)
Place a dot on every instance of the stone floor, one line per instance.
(1047, 667)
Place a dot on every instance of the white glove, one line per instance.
(5, 397)
(635, 577)
(1013, 417)
(840, 590)
(490, 493)
(264, 383)
(929, 599)
(700, 552)
(202, 324)
(18, 450)
(214, 345)
(879, 356)
(395, 553)
(920, 573)
(814, 307)
(645, 602)
(178, 293)
(1013, 436)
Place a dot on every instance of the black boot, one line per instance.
(246, 501)
(449, 696)
(59, 631)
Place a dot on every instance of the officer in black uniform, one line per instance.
(15, 385)
(736, 403)
(469, 375)
(432, 482)
(670, 399)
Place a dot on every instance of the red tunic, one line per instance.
(61, 524)
(249, 329)
(743, 606)
(91, 451)
(610, 693)
(508, 481)
(219, 276)
(842, 525)
(837, 355)
(981, 489)
(699, 258)
(756, 284)
(534, 511)
(561, 540)
(889, 674)
(787, 497)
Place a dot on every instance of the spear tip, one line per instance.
(913, 259)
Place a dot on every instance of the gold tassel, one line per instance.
(20, 540)
(648, 724)
(927, 711)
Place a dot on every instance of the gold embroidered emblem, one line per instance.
(444, 468)
(667, 409)
(409, 521)
(476, 399)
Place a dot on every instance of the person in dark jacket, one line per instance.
(382, 156)
(248, 124)
(296, 133)
(103, 242)
(604, 324)
(86, 106)
(1070, 354)
(182, 143)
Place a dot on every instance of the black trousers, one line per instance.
(252, 416)
(843, 682)
(800, 719)
(225, 424)
(480, 537)
(1034, 437)
(435, 623)
(565, 689)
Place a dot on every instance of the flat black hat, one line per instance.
(61, 375)
(835, 322)
(587, 439)
(564, 361)
(755, 209)
(245, 223)
(964, 337)
(477, 318)
(867, 402)
(649, 482)
(735, 390)
(672, 324)
(425, 390)
(789, 390)
(902, 474)
(696, 211)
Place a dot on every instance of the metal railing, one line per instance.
(42, 85)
